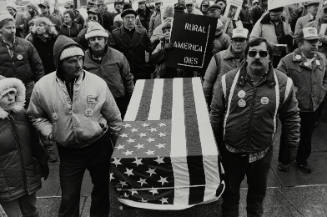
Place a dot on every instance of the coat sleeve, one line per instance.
(37, 114)
(256, 31)
(217, 111)
(298, 27)
(290, 123)
(282, 66)
(112, 114)
(35, 62)
(210, 78)
(128, 78)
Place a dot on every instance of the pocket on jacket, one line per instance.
(87, 128)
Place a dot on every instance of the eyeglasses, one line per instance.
(262, 53)
(325, 10)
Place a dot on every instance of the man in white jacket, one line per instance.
(76, 110)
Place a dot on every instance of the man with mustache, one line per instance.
(109, 64)
(307, 67)
(75, 109)
(245, 106)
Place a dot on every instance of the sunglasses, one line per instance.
(325, 10)
(239, 39)
(262, 53)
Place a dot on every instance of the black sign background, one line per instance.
(178, 57)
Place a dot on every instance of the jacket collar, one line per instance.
(228, 54)
(245, 77)
(300, 59)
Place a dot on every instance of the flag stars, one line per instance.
(161, 145)
(120, 146)
(150, 152)
(164, 200)
(145, 125)
(154, 191)
(151, 140)
(144, 200)
(151, 171)
(162, 125)
(124, 135)
(153, 130)
(137, 161)
(139, 146)
(163, 180)
(162, 134)
(116, 161)
(133, 192)
(129, 172)
(142, 135)
(122, 183)
(128, 152)
(142, 181)
(133, 130)
(111, 177)
(159, 160)
(130, 140)
(126, 125)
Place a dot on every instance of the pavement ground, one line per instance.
(291, 194)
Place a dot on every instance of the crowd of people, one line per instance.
(66, 81)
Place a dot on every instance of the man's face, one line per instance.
(44, 10)
(157, 5)
(119, 7)
(215, 13)
(205, 7)
(275, 16)
(97, 43)
(129, 21)
(222, 5)
(309, 46)
(189, 8)
(40, 29)
(258, 59)
(8, 31)
(93, 17)
(238, 45)
(8, 100)
(324, 14)
(11, 11)
(72, 67)
(67, 18)
(166, 33)
(142, 5)
(313, 9)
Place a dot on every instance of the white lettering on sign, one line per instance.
(195, 28)
(191, 60)
(188, 46)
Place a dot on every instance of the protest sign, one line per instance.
(233, 9)
(191, 39)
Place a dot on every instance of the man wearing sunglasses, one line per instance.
(307, 67)
(224, 61)
(244, 111)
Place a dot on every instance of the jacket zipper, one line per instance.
(19, 150)
(251, 114)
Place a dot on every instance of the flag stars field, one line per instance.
(163, 180)
(116, 161)
(159, 160)
(137, 161)
(129, 172)
(151, 171)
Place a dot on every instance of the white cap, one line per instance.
(255, 1)
(95, 29)
(189, 2)
(70, 52)
(240, 33)
(310, 33)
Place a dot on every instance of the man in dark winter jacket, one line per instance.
(109, 64)
(135, 44)
(244, 111)
(18, 57)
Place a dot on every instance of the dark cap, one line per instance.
(44, 4)
(280, 9)
(128, 11)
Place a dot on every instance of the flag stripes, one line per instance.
(156, 101)
(194, 150)
(144, 105)
(134, 102)
(167, 100)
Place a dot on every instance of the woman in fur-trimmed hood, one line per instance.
(22, 159)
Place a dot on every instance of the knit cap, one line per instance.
(95, 29)
(70, 52)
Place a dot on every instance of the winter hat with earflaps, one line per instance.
(12, 84)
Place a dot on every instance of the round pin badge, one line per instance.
(20, 57)
(264, 100)
(54, 116)
(298, 57)
(317, 62)
(241, 103)
(88, 112)
(241, 94)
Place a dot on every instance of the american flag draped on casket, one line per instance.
(166, 157)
